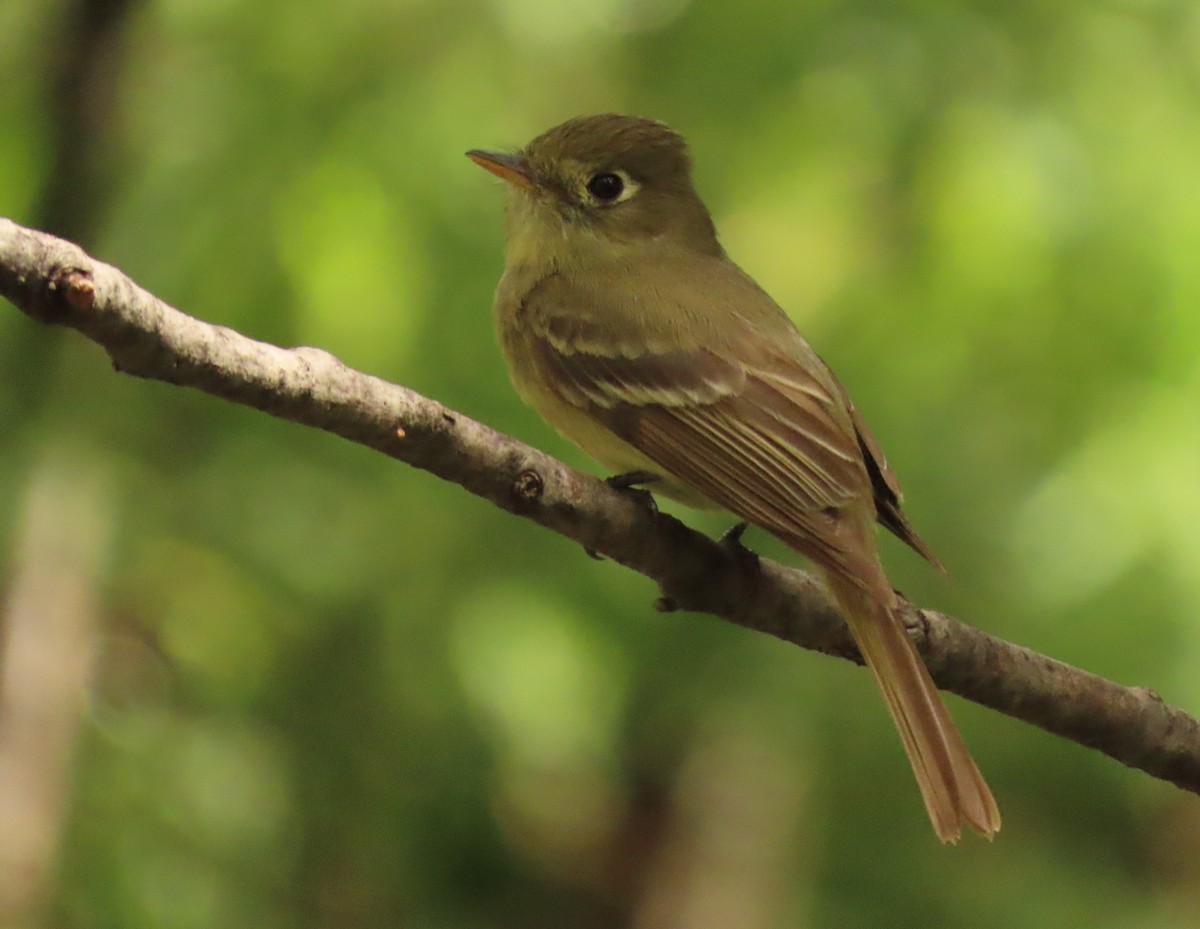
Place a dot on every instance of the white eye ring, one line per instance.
(608, 188)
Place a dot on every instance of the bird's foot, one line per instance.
(731, 541)
(630, 483)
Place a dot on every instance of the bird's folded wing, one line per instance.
(749, 428)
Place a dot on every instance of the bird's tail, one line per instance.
(955, 792)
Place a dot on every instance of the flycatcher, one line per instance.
(628, 328)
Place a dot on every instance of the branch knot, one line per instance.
(527, 488)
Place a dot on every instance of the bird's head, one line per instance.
(596, 187)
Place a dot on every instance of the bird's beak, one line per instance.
(510, 168)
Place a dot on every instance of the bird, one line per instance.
(627, 327)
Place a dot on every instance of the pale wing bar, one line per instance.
(761, 444)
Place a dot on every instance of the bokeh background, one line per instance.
(255, 676)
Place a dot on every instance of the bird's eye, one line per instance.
(606, 187)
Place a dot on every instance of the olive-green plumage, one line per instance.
(626, 326)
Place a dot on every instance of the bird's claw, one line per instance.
(731, 541)
(630, 483)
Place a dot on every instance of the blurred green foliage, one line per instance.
(331, 691)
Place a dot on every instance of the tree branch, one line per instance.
(56, 282)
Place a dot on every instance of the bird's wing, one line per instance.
(743, 417)
(887, 491)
